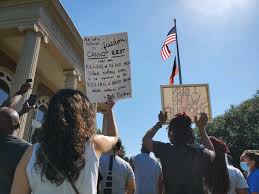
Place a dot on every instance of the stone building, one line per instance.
(39, 41)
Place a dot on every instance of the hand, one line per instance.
(162, 117)
(202, 122)
(109, 105)
(26, 108)
(25, 88)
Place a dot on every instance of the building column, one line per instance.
(71, 78)
(31, 114)
(104, 129)
(26, 69)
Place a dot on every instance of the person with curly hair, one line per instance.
(66, 159)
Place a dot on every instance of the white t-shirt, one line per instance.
(147, 171)
(237, 179)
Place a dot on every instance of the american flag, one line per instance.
(171, 37)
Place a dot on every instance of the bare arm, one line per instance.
(112, 129)
(25, 109)
(131, 187)
(160, 184)
(104, 143)
(14, 100)
(201, 124)
(21, 182)
(148, 138)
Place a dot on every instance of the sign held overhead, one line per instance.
(191, 99)
(107, 67)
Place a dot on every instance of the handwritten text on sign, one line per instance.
(191, 99)
(107, 67)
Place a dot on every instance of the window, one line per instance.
(4, 91)
(39, 117)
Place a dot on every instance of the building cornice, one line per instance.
(49, 18)
(37, 28)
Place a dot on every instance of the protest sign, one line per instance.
(191, 99)
(107, 67)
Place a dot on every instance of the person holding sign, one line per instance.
(183, 165)
(66, 160)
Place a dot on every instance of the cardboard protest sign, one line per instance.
(107, 67)
(191, 99)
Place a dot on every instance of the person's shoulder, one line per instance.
(162, 144)
(122, 162)
(233, 171)
(201, 153)
(18, 142)
(104, 157)
(196, 150)
(232, 168)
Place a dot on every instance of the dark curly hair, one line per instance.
(180, 130)
(217, 177)
(69, 123)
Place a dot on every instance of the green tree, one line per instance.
(239, 127)
(98, 131)
(122, 152)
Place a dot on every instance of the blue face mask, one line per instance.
(244, 166)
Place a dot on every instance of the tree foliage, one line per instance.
(122, 152)
(239, 127)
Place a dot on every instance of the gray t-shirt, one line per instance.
(122, 173)
(147, 171)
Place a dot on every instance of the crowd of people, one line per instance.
(69, 157)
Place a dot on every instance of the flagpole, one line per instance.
(178, 56)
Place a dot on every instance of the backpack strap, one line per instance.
(108, 184)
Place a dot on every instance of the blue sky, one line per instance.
(218, 41)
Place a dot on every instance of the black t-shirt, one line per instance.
(11, 152)
(183, 168)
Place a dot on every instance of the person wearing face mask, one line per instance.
(250, 164)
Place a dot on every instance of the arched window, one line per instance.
(5, 84)
(41, 110)
(4, 91)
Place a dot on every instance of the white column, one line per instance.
(71, 77)
(26, 68)
(31, 114)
